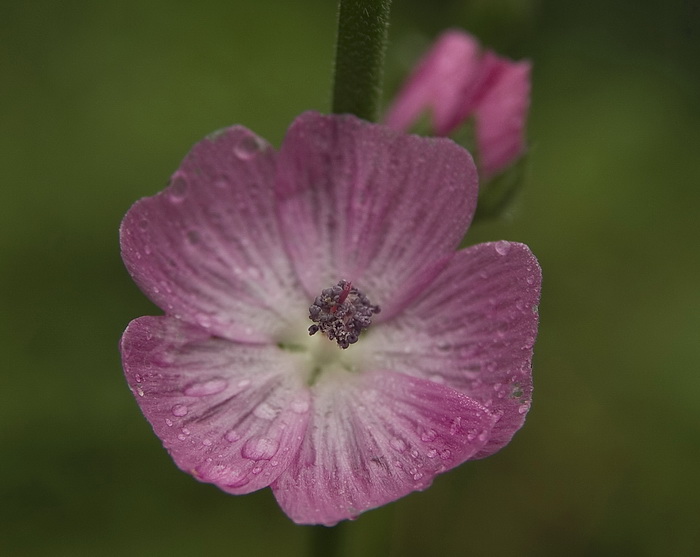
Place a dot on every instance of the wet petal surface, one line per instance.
(373, 438)
(208, 248)
(229, 414)
(473, 330)
(351, 194)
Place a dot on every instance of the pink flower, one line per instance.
(247, 243)
(455, 81)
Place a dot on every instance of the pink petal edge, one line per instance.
(229, 414)
(473, 329)
(207, 248)
(349, 194)
(373, 438)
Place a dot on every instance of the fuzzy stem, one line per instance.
(359, 57)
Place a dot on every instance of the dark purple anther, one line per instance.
(341, 313)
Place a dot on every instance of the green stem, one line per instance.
(326, 541)
(359, 57)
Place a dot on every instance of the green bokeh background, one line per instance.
(100, 101)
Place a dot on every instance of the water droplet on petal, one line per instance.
(179, 410)
(193, 237)
(205, 388)
(265, 412)
(417, 476)
(432, 453)
(232, 436)
(523, 408)
(502, 247)
(206, 443)
(300, 406)
(446, 454)
(398, 444)
(177, 189)
(248, 146)
(428, 435)
(168, 422)
(260, 448)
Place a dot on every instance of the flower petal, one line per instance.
(229, 414)
(207, 248)
(375, 437)
(361, 202)
(473, 329)
(443, 82)
(501, 115)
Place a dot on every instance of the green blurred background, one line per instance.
(100, 101)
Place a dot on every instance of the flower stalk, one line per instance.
(359, 57)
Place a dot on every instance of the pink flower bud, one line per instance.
(457, 80)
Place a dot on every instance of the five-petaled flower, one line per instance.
(456, 81)
(348, 218)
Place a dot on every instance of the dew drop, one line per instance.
(432, 453)
(398, 444)
(168, 422)
(417, 476)
(260, 448)
(232, 436)
(446, 454)
(523, 408)
(222, 182)
(139, 391)
(185, 431)
(502, 247)
(210, 387)
(243, 384)
(179, 410)
(455, 425)
(265, 412)
(193, 237)
(248, 146)
(206, 443)
(428, 435)
(177, 189)
(300, 406)
(147, 249)
(181, 436)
